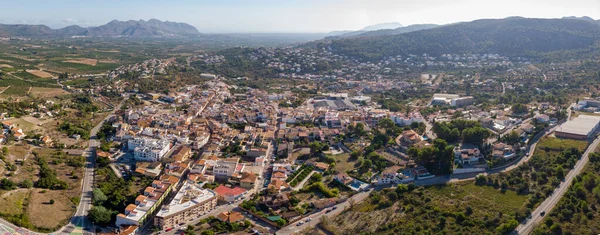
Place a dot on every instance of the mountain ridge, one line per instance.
(513, 36)
(114, 28)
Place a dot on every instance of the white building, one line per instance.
(146, 149)
(467, 154)
(452, 100)
(191, 202)
(392, 176)
(227, 167)
(406, 120)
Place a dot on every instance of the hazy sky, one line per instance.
(221, 16)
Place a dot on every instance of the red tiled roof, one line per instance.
(224, 190)
(130, 207)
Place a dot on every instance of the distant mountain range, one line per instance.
(381, 32)
(381, 26)
(511, 36)
(350, 33)
(115, 28)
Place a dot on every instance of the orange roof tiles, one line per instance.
(130, 207)
(224, 190)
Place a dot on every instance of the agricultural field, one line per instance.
(82, 56)
(40, 73)
(47, 92)
(85, 61)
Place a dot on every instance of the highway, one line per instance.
(551, 201)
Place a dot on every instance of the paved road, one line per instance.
(79, 222)
(316, 218)
(551, 201)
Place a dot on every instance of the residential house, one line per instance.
(408, 138)
(502, 150)
(467, 154)
(319, 166)
(182, 154)
(527, 127)
(391, 175)
(230, 217)
(46, 141)
(542, 118)
(150, 169)
(276, 201)
(343, 178)
(248, 180)
(277, 185)
(199, 177)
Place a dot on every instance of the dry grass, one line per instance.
(43, 214)
(37, 121)
(85, 61)
(18, 151)
(45, 92)
(25, 125)
(5, 66)
(40, 73)
(11, 203)
(342, 162)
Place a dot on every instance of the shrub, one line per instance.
(7, 184)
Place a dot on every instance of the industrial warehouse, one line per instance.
(580, 128)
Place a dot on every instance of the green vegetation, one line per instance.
(539, 176)
(302, 172)
(462, 208)
(217, 226)
(48, 177)
(577, 212)
(438, 158)
(100, 215)
(513, 36)
(114, 193)
(322, 188)
(460, 129)
(7, 184)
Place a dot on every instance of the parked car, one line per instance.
(543, 213)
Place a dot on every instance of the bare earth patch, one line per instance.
(40, 73)
(6, 66)
(45, 92)
(85, 61)
(43, 214)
